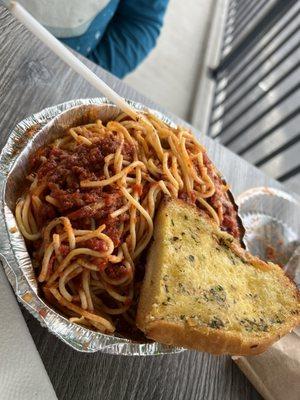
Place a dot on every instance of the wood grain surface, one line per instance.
(32, 78)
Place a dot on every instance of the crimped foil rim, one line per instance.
(264, 191)
(267, 192)
(259, 208)
(78, 337)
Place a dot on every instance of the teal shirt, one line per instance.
(122, 34)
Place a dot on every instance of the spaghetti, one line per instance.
(89, 210)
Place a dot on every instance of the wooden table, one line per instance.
(32, 78)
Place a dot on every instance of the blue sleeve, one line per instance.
(130, 35)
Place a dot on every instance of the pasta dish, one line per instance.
(88, 214)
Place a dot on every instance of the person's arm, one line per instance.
(130, 35)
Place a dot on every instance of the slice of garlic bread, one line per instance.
(203, 291)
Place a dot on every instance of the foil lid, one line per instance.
(271, 220)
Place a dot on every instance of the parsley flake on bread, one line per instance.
(203, 291)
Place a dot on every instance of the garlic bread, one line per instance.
(203, 291)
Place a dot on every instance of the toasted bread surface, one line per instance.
(203, 291)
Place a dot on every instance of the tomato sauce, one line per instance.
(230, 217)
(62, 172)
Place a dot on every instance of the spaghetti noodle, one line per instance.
(89, 210)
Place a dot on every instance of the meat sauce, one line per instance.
(230, 217)
(62, 172)
(220, 197)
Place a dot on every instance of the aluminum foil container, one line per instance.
(31, 133)
(271, 220)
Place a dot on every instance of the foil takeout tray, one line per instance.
(31, 133)
(27, 136)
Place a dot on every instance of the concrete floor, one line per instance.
(170, 74)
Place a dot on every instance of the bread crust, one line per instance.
(211, 340)
(216, 341)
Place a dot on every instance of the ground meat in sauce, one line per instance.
(185, 197)
(230, 217)
(64, 250)
(116, 271)
(62, 172)
(85, 163)
(45, 213)
(95, 244)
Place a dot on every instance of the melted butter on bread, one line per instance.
(203, 291)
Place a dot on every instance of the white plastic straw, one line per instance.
(68, 57)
